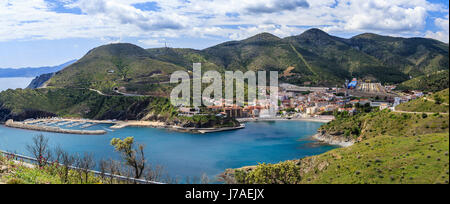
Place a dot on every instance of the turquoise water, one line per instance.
(184, 154)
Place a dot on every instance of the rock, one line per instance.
(3, 169)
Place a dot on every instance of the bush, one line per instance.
(15, 181)
(283, 173)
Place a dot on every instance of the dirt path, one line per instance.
(304, 60)
(407, 112)
(431, 100)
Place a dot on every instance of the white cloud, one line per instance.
(276, 6)
(233, 19)
(152, 42)
(443, 33)
(383, 16)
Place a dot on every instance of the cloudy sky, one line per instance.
(50, 32)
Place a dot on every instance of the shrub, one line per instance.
(15, 181)
(283, 173)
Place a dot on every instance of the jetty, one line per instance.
(23, 125)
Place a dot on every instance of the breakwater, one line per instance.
(22, 125)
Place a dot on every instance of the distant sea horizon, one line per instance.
(15, 83)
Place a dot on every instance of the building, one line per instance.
(311, 110)
(234, 112)
(187, 111)
(353, 84)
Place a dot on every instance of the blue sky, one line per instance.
(50, 32)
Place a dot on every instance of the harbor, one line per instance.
(84, 126)
(44, 127)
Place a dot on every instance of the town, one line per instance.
(313, 103)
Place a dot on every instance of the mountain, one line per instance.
(433, 82)
(412, 56)
(40, 81)
(32, 72)
(123, 66)
(311, 58)
(322, 59)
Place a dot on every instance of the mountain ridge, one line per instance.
(32, 71)
(314, 58)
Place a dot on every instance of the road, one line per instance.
(396, 111)
(118, 92)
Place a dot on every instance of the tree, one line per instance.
(40, 150)
(122, 68)
(85, 164)
(438, 100)
(110, 167)
(67, 162)
(132, 153)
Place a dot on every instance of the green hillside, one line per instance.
(436, 103)
(21, 104)
(391, 147)
(430, 83)
(381, 160)
(117, 66)
(412, 56)
(313, 57)
(370, 125)
(24, 104)
(322, 59)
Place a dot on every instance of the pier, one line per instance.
(25, 125)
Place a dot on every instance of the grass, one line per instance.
(392, 148)
(382, 160)
(99, 69)
(436, 103)
(387, 159)
(314, 53)
(370, 125)
(429, 83)
(21, 173)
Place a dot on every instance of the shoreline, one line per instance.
(124, 124)
(319, 120)
(28, 125)
(116, 124)
(333, 140)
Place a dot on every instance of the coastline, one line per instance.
(333, 140)
(124, 124)
(150, 124)
(319, 120)
(321, 137)
(28, 125)
(206, 130)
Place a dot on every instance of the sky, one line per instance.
(36, 33)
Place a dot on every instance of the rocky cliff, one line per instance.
(40, 81)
